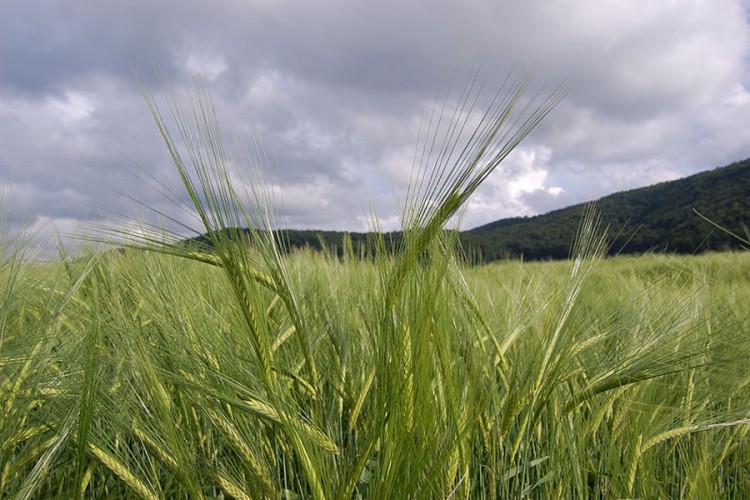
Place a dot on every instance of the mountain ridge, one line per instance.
(661, 217)
(657, 217)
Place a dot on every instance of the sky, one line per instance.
(336, 92)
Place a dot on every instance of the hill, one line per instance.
(655, 218)
(659, 217)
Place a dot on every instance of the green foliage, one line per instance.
(659, 218)
(250, 373)
(136, 375)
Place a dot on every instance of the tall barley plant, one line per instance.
(238, 369)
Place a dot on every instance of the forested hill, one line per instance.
(659, 218)
(656, 218)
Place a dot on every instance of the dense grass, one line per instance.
(137, 374)
(248, 374)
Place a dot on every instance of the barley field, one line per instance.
(133, 374)
(160, 370)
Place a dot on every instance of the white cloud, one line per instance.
(207, 65)
(266, 88)
(524, 172)
(74, 107)
(738, 96)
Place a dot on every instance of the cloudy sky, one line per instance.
(335, 90)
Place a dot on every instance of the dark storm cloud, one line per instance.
(49, 45)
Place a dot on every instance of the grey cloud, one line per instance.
(334, 89)
(48, 45)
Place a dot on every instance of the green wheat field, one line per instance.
(165, 371)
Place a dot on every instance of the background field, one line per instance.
(135, 374)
